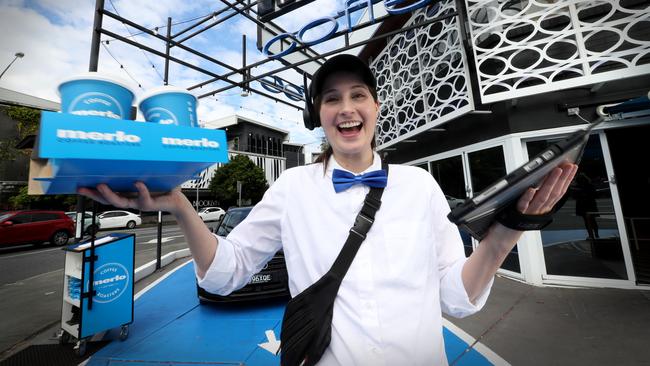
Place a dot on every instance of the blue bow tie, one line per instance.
(343, 180)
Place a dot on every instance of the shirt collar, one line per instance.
(333, 164)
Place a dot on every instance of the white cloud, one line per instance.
(55, 36)
(52, 52)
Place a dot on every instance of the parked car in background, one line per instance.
(118, 219)
(89, 229)
(211, 213)
(35, 226)
(271, 281)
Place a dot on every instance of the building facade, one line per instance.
(265, 145)
(14, 169)
(476, 94)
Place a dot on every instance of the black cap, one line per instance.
(342, 62)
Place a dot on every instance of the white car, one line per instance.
(211, 213)
(113, 219)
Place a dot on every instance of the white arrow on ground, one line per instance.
(163, 239)
(273, 345)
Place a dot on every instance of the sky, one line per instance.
(55, 36)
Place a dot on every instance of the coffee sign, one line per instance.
(393, 7)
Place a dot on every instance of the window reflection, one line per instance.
(583, 239)
(449, 175)
(486, 167)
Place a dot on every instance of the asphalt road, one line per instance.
(31, 281)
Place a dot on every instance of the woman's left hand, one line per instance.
(535, 201)
(541, 200)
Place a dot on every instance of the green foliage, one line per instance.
(240, 168)
(27, 122)
(23, 201)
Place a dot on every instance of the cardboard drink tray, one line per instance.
(82, 151)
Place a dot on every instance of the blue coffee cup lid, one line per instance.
(164, 90)
(97, 76)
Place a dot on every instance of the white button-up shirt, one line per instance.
(407, 271)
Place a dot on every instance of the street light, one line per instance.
(17, 56)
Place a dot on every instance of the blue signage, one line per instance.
(274, 84)
(111, 280)
(65, 136)
(393, 7)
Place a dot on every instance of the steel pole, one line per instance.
(95, 43)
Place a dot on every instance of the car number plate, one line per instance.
(260, 278)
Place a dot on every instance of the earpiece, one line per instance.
(309, 115)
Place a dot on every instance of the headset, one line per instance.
(309, 115)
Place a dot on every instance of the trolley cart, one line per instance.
(97, 288)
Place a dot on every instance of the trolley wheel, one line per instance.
(64, 338)
(124, 332)
(80, 348)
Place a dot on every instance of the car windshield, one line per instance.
(4, 216)
(232, 219)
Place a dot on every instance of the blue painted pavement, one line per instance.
(171, 328)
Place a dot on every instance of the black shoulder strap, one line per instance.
(358, 232)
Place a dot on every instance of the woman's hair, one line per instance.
(324, 156)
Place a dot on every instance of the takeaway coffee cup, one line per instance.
(169, 105)
(94, 94)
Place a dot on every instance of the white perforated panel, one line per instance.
(422, 77)
(534, 46)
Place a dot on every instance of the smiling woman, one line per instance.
(307, 213)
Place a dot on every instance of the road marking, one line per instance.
(473, 343)
(273, 345)
(164, 239)
(31, 253)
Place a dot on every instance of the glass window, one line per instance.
(43, 216)
(21, 219)
(486, 167)
(628, 145)
(583, 239)
(232, 219)
(449, 175)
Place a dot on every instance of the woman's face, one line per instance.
(348, 114)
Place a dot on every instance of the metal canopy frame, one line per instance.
(245, 76)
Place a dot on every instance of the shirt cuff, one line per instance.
(221, 270)
(455, 301)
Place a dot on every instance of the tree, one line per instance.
(240, 168)
(27, 121)
(23, 200)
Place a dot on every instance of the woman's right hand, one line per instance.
(172, 201)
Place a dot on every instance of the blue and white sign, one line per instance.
(72, 137)
(113, 285)
(110, 282)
